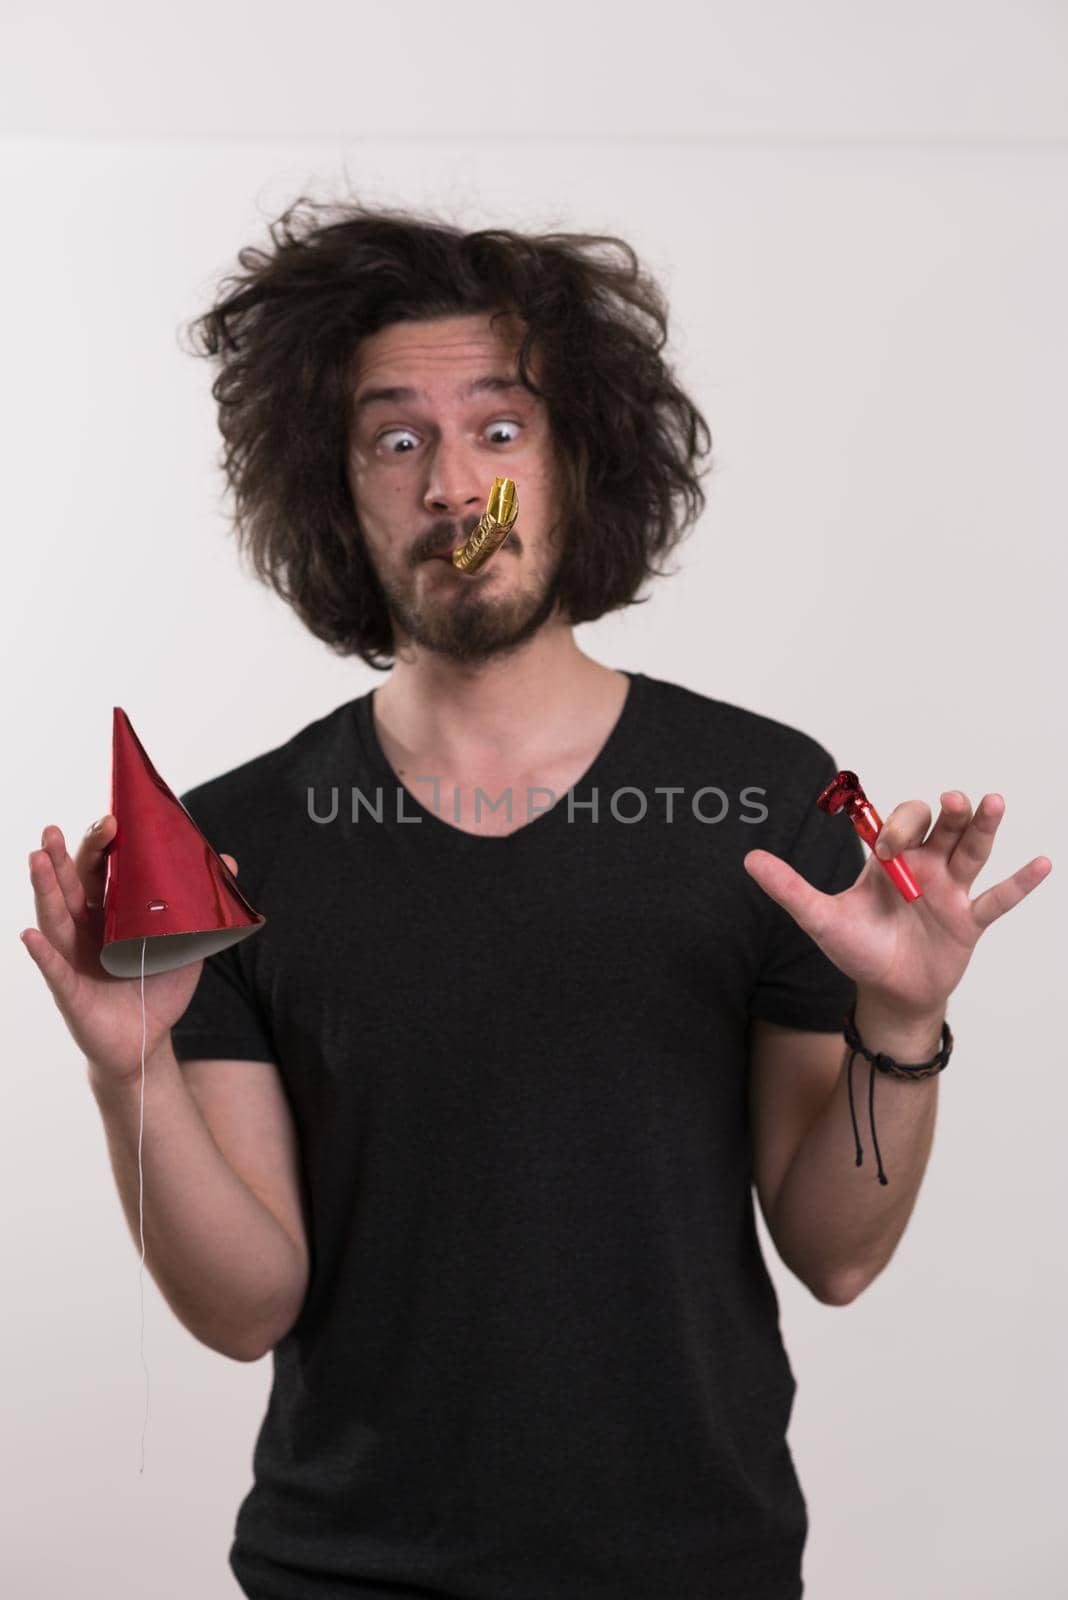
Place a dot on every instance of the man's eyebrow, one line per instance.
(492, 383)
(369, 396)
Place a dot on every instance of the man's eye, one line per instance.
(503, 432)
(394, 438)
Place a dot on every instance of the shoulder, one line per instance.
(265, 785)
(738, 732)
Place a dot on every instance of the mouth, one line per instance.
(447, 557)
(437, 562)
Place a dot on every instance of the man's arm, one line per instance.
(228, 1268)
(834, 1225)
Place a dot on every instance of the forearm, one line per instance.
(224, 1264)
(834, 1224)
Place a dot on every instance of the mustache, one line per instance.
(443, 536)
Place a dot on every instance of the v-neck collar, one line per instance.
(546, 822)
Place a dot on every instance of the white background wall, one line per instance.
(859, 212)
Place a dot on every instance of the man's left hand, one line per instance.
(907, 955)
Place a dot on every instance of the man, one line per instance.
(554, 969)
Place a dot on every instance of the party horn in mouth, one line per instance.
(502, 509)
(844, 793)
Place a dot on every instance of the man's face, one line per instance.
(438, 413)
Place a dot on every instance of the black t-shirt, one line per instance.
(539, 1357)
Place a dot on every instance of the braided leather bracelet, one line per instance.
(884, 1063)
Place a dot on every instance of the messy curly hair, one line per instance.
(283, 333)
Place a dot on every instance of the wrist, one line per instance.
(905, 1034)
(110, 1086)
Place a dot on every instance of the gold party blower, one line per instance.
(502, 509)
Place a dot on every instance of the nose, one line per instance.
(454, 483)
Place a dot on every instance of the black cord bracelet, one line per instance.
(884, 1063)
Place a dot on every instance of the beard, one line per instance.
(475, 624)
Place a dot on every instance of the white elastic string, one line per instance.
(141, 1198)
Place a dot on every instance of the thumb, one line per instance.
(788, 889)
(230, 862)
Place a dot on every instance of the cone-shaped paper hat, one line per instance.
(165, 883)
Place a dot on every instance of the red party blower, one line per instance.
(844, 793)
(164, 882)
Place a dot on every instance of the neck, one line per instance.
(508, 709)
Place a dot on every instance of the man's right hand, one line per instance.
(102, 1012)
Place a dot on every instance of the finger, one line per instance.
(994, 903)
(230, 862)
(69, 873)
(53, 914)
(976, 841)
(57, 972)
(953, 818)
(91, 862)
(903, 829)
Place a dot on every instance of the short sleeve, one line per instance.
(224, 1020)
(797, 985)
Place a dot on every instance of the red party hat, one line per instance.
(164, 883)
